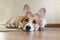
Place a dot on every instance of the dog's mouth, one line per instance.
(40, 29)
(27, 30)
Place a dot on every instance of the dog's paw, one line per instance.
(11, 27)
(40, 29)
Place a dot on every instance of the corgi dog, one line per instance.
(28, 21)
(33, 22)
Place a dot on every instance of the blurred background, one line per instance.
(10, 8)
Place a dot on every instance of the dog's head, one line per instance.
(32, 21)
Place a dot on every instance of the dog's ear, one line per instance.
(41, 13)
(26, 9)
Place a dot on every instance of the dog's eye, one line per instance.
(26, 20)
(34, 22)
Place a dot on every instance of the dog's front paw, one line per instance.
(10, 27)
(40, 29)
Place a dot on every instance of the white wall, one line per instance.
(9, 8)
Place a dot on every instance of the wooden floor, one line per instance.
(47, 34)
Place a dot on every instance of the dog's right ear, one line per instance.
(26, 9)
(41, 13)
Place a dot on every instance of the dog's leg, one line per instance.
(42, 25)
(41, 29)
(11, 25)
(20, 25)
(16, 23)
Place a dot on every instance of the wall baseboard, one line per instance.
(53, 25)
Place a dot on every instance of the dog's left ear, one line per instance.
(41, 13)
(26, 9)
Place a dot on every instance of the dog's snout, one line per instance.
(28, 27)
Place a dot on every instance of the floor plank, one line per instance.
(47, 34)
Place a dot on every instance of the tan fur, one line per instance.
(21, 20)
(17, 19)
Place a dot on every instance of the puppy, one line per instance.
(32, 21)
(29, 21)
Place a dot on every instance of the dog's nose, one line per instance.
(28, 27)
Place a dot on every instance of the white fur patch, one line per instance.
(43, 23)
(30, 24)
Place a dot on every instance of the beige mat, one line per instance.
(4, 29)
